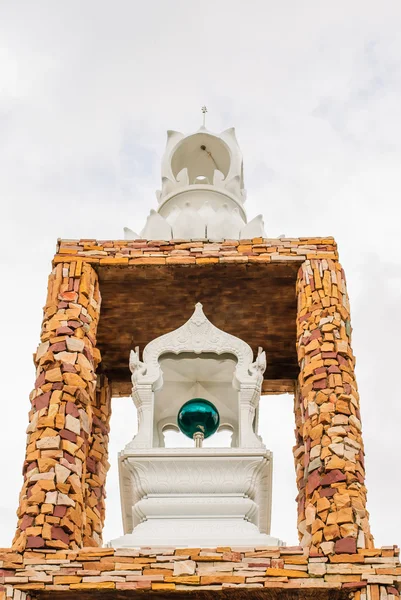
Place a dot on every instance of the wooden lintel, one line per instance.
(121, 389)
(278, 386)
(255, 303)
(269, 387)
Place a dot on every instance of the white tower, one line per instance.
(202, 193)
(196, 497)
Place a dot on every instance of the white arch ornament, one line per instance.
(198, 335)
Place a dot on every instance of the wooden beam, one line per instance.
(253, 302)
(269, 387)
(278, 386)
(121, 389)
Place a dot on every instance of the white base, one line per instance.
(195, 533)
(195, 497)
(201, 487)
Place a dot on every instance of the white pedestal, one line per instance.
(196, 497)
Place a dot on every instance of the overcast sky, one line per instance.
(87, 92)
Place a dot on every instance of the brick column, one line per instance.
(51, 513)
(377, 591)
(97, 464)
(329, 453)
(298, 452)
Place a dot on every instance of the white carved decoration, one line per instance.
(187, 225)
(202, 193)
(197, 335)
(130, 235)
(196, 496)
(254, 228)
(156, 228)
(225, 224)
(137, 367)
(207, 214)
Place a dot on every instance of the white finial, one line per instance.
(204, 111)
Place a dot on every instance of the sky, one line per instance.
(87, 92)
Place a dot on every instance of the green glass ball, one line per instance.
(198, 415)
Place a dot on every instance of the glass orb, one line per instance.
(198, 415)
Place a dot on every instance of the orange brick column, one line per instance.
(97, 464)
(377, 591)
(51, 513)
(329, 453)
(299, 452)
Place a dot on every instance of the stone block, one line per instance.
(105, 585)
(184, 567)
(212, 579)
(286, 573)
(163, 586)
(345, 546)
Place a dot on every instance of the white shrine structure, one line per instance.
(197, 496)
(202, 193)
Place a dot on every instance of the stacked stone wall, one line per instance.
(97, 464)
(62, 432)
(365, 575)
(329, 453)
(191, 252)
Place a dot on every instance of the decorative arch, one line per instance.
(198, 335)
(201, 153)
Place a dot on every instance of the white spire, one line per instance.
(202, 194)
(204, 111)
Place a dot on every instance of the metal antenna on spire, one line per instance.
(204, 111)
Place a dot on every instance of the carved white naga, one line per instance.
(137, 367)
(198, 335)
(259, 366)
